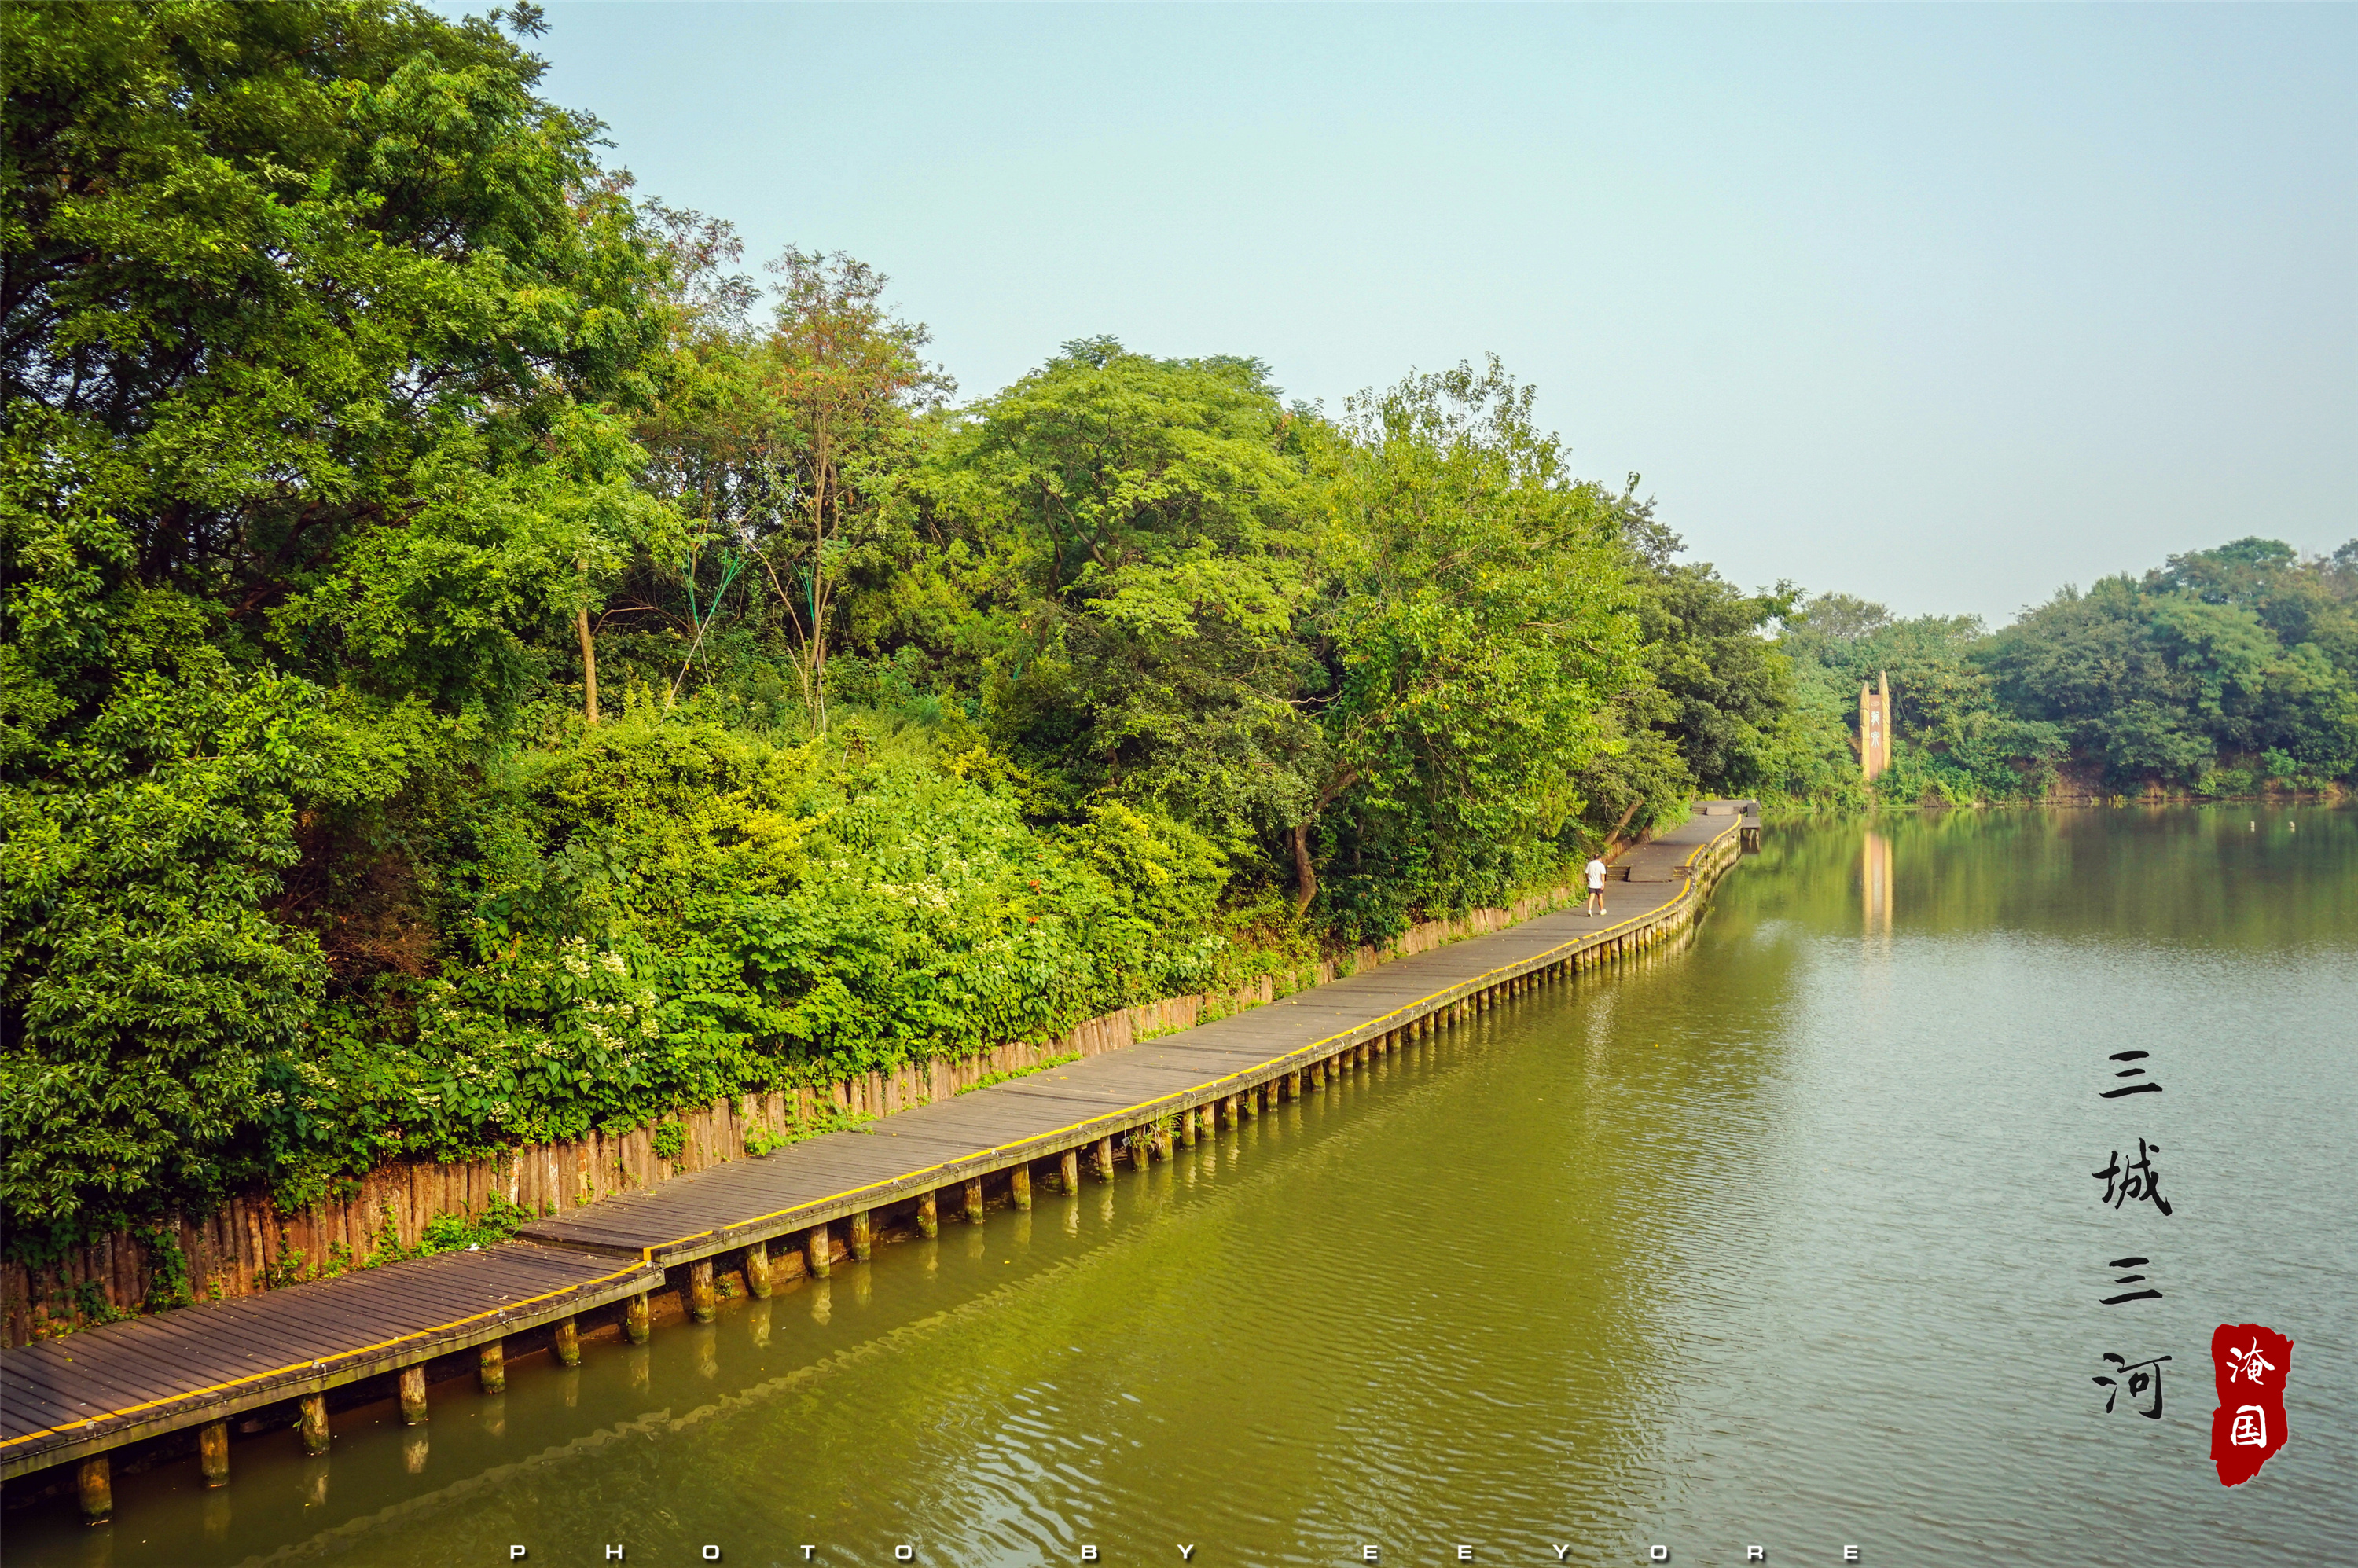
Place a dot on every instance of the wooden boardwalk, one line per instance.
(93, 1391)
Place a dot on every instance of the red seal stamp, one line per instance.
(2250, 1363)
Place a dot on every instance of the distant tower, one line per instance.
(1874, 726)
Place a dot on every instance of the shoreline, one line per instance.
(294, 1355)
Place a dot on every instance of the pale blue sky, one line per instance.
(1939, 306)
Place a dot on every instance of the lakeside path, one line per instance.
(86, 1394)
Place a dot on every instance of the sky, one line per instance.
(1940, 306)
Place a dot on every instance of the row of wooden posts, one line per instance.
(1152, 1141)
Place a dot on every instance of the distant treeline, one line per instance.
(2226, 671)
(478, 666)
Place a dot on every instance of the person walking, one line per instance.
(1596, 884)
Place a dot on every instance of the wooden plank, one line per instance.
(323, 1334)
(190, 1341)
(84, 1385)
(24, 1408)
(150, 1370)
(97, 1436)
(43, 1390)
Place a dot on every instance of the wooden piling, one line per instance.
(413, 1395)
(413, 1197)
(1068, 1172)
(863, 1235)
(212, 1453)
(1105, 1160)
(313, 1423)
(819, 1255)
(491, 1367)
(1019, 1188)
(974, 1201)
(929, 1217)
(568, 1342)
(95, 1481)
(757, 1270)
(699, 1290)
(635, 1319)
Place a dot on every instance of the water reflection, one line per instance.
(1874, 882)
(315, 1482)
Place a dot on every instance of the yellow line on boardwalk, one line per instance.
(319, 1362)
(647, 1254)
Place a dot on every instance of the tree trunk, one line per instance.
(588, 666)
(1613, 839)
(1306, 879)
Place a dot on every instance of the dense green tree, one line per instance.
(2161, 679)
(1725, 684)
(1474, 620)
(304, 313)
(1138, 538)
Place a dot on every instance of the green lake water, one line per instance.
(1786, 1238)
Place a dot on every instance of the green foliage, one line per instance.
(666, 912)
(1714, 707)
(147, 987)
(668, 1139)
(90, 1306)
(2169, 678)
(455, 1232)
(167, 1283)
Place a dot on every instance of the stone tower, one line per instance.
(1874, 726)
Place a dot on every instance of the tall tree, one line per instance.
(1474, 622)
(848, 379)
(1151, 522)
(306, 309)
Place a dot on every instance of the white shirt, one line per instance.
(1595, 874)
